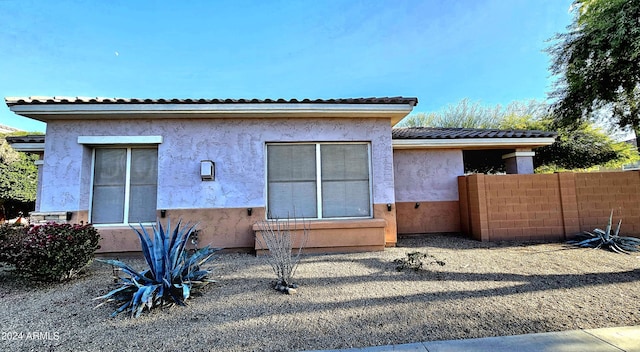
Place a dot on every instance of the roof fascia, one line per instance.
(48, 112)
(28, 147)
(472, 143)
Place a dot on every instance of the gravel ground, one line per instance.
(344, 301)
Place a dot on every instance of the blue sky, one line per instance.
(440, 51)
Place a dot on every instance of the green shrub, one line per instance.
(54, 252)
(11, 236)
(172, 273)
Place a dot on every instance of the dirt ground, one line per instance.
(344, 300)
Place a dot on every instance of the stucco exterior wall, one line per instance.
(427, 175)
(236, 146)
(426, 188)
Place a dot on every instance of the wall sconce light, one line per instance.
(249, 211)
(163, 213)
(416, 206)
(207, 170)
(69, 215)
(388, 206)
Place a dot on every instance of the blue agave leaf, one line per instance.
(608, 230)
(186, 291)
(125, 268)
(181, 239)
(147, 296)
(175, 298)
(113, 292)
(587, 241)
(137, 299)
(145, 243)
(121, 309)
(618, 228)
(158, 252)
(197, 275)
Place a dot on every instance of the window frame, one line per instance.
(318, 179)
(127, 185)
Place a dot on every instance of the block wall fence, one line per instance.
(547, 206)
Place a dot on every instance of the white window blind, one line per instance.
(124, 185)
(340, 189)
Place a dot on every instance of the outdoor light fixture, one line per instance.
(416, 206)
(249, 211)
(388, 206)
(207, 170)
(69, 215)
(163, 213)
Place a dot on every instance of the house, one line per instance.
(228, 164)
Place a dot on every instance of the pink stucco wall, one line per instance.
(236, 146)
(427, 174)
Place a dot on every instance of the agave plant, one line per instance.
(172, 272)
(605, 239)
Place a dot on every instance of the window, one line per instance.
(124, 185)
(322, 180)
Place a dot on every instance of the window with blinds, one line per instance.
(320, 180)
(125, 183)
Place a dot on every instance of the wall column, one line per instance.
(519, 162)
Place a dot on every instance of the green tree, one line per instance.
(577, 147)
(18, 177)
(597, 62)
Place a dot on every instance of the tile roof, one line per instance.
(32, 138)
(459, 133)
(10, 101)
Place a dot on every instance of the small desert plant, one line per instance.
(172, 272)
(279, 237)
(416, 261)
(607, 240)
(50, 252)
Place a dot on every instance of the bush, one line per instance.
(172, 273)
(52, 252)
(11, 236)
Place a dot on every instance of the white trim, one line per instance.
(471, 143)
(69, 109)
(518, 154)
(319, 209)
(127, 186)
(28, 147)
(104, 140)
(318, 180)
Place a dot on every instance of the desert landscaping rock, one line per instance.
(344, 301)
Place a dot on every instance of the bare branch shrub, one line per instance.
(279, 237)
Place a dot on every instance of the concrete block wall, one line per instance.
(548, 206)
(599, 193)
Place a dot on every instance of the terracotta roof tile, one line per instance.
(457, 133)
(32, 138)
(10, 101)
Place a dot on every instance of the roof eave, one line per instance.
(28, 147)
(472, 143)
(50, 112)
